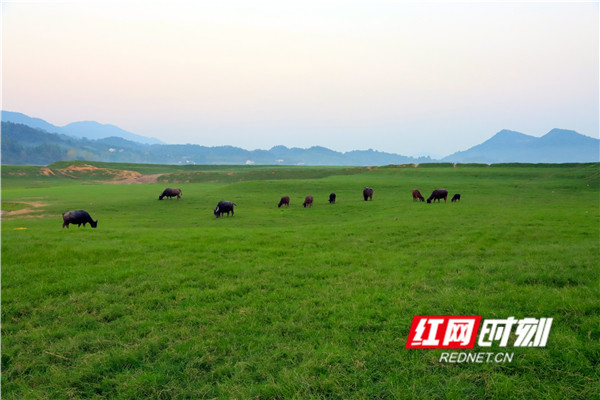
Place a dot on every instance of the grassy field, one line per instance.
(164, 301)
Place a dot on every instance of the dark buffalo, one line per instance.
(332, 198)
(171, 192)
(438, 194)
(308, 201)
(78, 217)
(417, 195)
(285, 201)
(456, 197)
(224, 207)
(368, 193)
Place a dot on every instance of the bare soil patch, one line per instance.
(46, 172)
(150, 178)
(23, 211)
(117, 175)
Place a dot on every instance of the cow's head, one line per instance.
(216, 212)
(94, 223)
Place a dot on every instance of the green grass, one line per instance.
(165, 301)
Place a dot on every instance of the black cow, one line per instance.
(285, 201)
(308, 201)
(438, 194)
(417, 195)
(368, 193)
(171, 192)
(456, 197)
(78, 217)
(332, 198)
(224, 207)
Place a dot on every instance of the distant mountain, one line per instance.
(18, 118)
(95, 130)
(22, 144)
(24, 139)
(84, 129)
(557, 146)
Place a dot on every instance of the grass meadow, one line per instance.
(165, 301)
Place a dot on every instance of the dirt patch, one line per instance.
(35, 204)
(139, 178)
(46, 172)
(23, 211)
(80, 168)
(23, 216)
(116, 175)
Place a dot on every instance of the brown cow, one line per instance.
(171, 192)
(308, 201)
(285, 201)
(417, 195)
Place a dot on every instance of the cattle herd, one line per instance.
(80, 217)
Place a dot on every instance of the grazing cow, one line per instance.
(224, 207)
(417, 195)
(438, 194)
(171, 192)
(308, 200)
(78, 217)
(368, 193)
(332, 198)
(285, 200)
(456, 197)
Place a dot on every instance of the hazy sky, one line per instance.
(403, 77)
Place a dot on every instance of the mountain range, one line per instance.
(557, 146)
(27, 140)
(81, 129)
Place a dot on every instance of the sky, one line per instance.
(413, 78)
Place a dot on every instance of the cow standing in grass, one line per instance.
(285, 201)
(368, 193)
(332, 197)
(78, 217)
(456, 197)
(171, 192)
(417, 195)
(438, 194)
(224, 207)
(308, 201)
